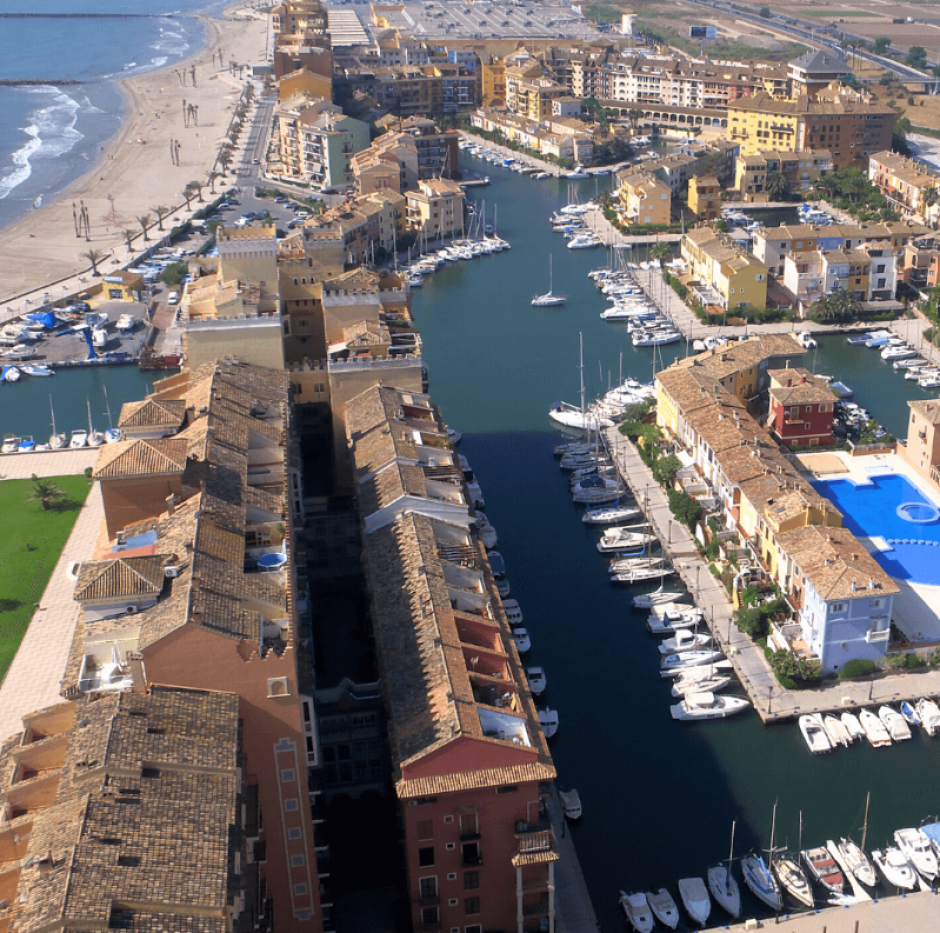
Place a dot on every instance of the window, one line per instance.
(426, 856)
(507, 789)
(295, 833)
(300, 890)
(287, 775)
(297, 861)
(290, 804)
(430, 915)
(470, 852)
(837, 607)
(427, 887)
(425, 829)
(471, 905)
(474, 928)
(471, 880)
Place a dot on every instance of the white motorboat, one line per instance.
(611, 515)
(807, 340)
(548, 720)
(684, 640)
(664, 908)
(894, 722)
(126, 323)
(852, 726)
(657, 598)
(690, 683)
(27, 444)
(909, 713)
(929, 714)
(11, 374)
(671, 617)
(656, 338)
(596, 490)
(513, 612)
(823, 868)
(11, 444)
(836, 732)
(724, 889)
(488, 535)
(695, 899)
(700, 706)
(638, 912)
(537, 681)
(916, 848)
(643, 573)
(675, 664)
(621, 538)
(549, 299)
(893, 864)
(521, 637)
(857, 862)
(79, 438)
(762, 883)
(571, 417)
(793, 880)
(584, 241)
(37, 369)
(875, 731)
(571, 801)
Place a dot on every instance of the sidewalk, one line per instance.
(34, 677)
(66, 462)
(574, 912)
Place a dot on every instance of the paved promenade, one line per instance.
(916, 913)
(574, 912)
(770, 699)
(47, 463)
(33, 680)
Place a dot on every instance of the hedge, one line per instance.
(857, 667)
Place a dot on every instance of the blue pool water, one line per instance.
(892, 508)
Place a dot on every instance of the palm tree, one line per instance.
(188, 193)
(225, 157)
(129, 238)
(931, 197)
(634, 116)
(211, 178)
(161, 211)
(777, 186)
(660, 251)
(94, 256)
(846, 304)
(145, 220)
(45, 491)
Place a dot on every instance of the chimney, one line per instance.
(135, 661)
(171, 504)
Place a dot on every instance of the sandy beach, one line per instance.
(135, 172)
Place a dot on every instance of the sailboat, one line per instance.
(724, 888)
(549, 299)
(57, 439)
(856, 861)
(113, 434)
(758, 877)
(571, 417)
(792, 878)
(95, 438)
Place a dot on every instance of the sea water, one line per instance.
(50, 135)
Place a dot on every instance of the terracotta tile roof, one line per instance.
(474, 780)
(153, 413)
(836, 564)
(128, 576)
(162, 455)
(367, 334)
(382, 404)
(144, 821)
(927, 408)
(805, 393)
(383, 444)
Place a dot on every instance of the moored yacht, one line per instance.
(893, 864)
(695, 899)
(638, 912)
(916, 847)
(664, 908)
(762, 883)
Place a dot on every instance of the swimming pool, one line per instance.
(892, 508)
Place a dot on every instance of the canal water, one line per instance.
(659, 796)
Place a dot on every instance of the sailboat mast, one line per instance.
(865, 825)
(107, 405)
(730, 858)
(581, 368)
(773, 827)
(52, 410)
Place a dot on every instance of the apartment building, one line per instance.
(130, 811)
(492, 74)
(530, 92)
(801, 408)
(435, 209)
(815, 71)
(922, 450)
(200, 593)
(390, 163)
(438, 150)
(840, 598)
(705, 197)
(849, 124)
(911, 187)
(554, 136)
(719, 272)
(772, 244)
(645, 199)
(416, 90)
(800, 169)
(868, 272)
(920, 263)
(471, 766)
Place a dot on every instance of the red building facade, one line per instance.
(801, 408)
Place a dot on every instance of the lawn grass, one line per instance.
(32, 542)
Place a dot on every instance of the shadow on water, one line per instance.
(659, 796)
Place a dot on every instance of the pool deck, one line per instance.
(771, 701)
(917, 607)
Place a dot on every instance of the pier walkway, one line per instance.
(772, 702)
(574, 912)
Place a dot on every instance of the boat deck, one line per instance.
(772, 702)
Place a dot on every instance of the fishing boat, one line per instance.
(894, 722)
(695, 899)
(657, 598)
(638, 912)
(548, 720)
(664, 908)
(701, 706)
(916, 847)
(836, 732)
(571, 801)
(893, 864)
(823, 868)
(537, 681)
(549, 299)
(875, 731)
(762, 883)
(929, 714)
(814, 734)
(852, 726)
(610, 515)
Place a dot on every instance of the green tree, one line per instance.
(94, 256)
(765, 12)
(916, 57)
(777, 186)
(684, 507)
(145, 220)
(881, 45)
(46, 492)
(161, 211)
